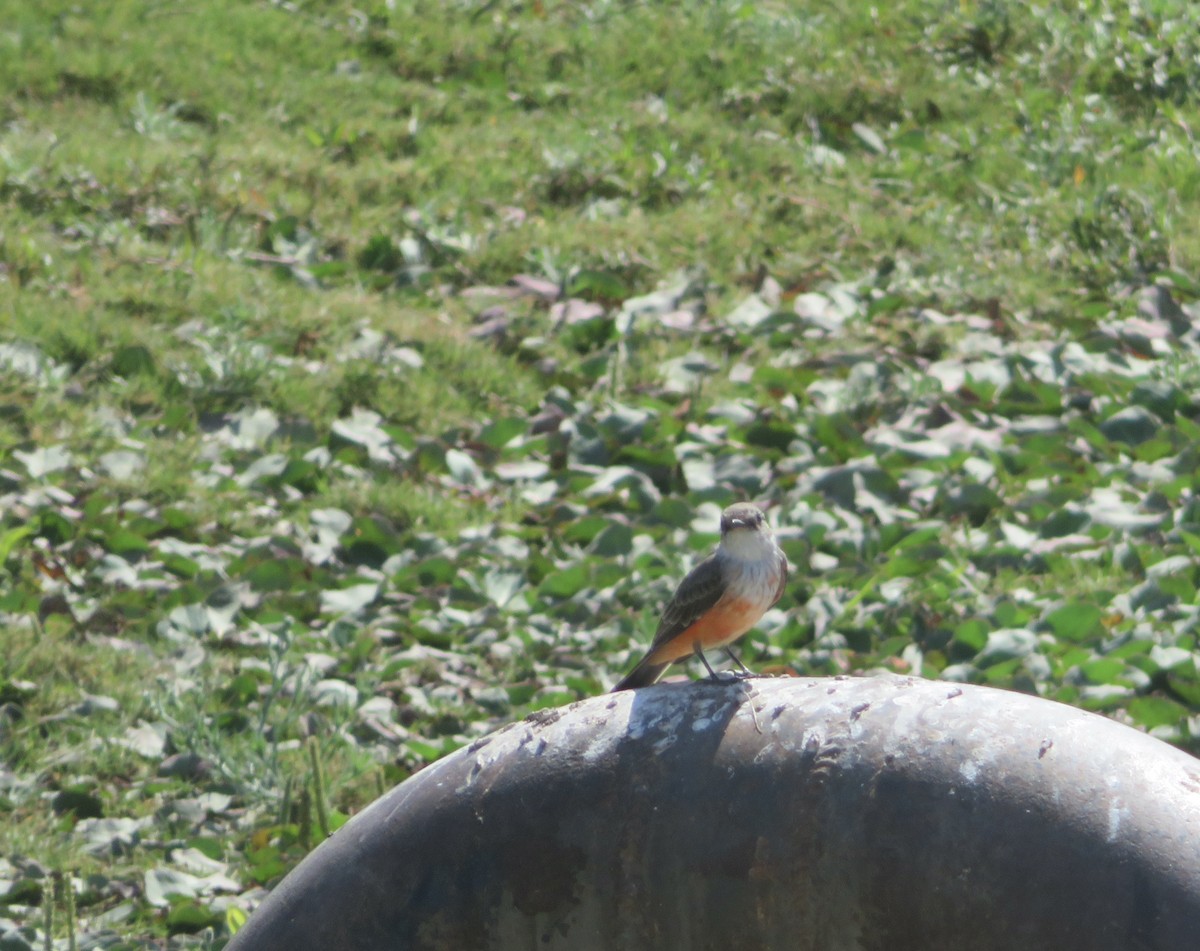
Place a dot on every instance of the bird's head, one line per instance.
(742, 517)
(744, 530)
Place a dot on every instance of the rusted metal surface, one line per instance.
(880, 813)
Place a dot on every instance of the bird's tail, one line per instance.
(643, 675)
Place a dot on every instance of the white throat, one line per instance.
(746, 544)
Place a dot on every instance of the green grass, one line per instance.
(231, 232)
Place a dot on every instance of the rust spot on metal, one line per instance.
(544, 718)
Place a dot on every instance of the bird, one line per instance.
(720, 599)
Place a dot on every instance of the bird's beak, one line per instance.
(737, 523)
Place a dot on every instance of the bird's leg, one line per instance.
(737, 660)
(725, 676)
(704, 660)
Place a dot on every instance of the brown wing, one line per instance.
(697, 592)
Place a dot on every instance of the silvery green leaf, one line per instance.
(869, 137)
(123, 464)
(1109, 507)
(363, 428)
(161, 883)
(501, 587)
(1007, 643)
(617, 477)
(684, 374)
(264, 467)
(44, 460)
(28, 360)
(699, 473)
(146, 739)
(463, 469)
(250, 428)
(348, 600)
(663, 300)
(328, 527)
(378, 707)
(405, 356)
(907, 443)
(526, 470)
(334, 521)
(214, 802)
(335, 693)
(115, 570)
(1172, 565)
(196, 862)
(94, 703)
(954, 373)
(824, 157)
(367, 345)
(752, 311)
(1167, 658)
(186, 620)
(108, 837)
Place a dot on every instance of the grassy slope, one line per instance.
(202, 207)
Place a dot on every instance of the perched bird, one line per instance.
(720, 599)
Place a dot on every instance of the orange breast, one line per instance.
(726, 621)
